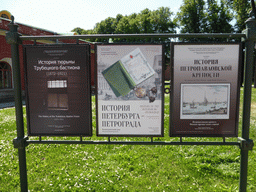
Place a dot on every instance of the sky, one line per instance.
(216, 93)
(62, 16)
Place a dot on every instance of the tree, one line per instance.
(162, 22)
(241, 10)
(192, 17)
(128, 25)
(145, 24)
(107, 26)
(147, 21)
(157, 21)
(79, 30)
(219, 17)
(198, 16)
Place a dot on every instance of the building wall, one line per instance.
(5, 49)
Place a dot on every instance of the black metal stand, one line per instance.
(12, 38)
(245, 143)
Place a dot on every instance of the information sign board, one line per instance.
(58, 90)
(129, 90)
(205, 89)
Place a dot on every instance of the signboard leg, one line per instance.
(249, 48)
(23, 170)
(12, 38)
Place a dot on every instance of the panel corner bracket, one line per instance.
(20, 143)
(245, 144)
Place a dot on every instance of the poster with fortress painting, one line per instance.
(205, 89)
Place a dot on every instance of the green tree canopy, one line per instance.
(79, 30)
(198, 16)
(219, 17)
(192, 17)
(241, 10)
(147, 21)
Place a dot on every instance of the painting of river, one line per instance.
(205, 101)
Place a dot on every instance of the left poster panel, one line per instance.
(58, 90)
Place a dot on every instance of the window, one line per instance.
(57, 95)
(57, 101)
(57, 84)
(5, 75)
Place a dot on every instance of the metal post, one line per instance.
(249, 60)
(12, 37)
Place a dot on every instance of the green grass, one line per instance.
(123, 167)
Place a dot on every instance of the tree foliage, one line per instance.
(79, 30)
(241, 10)
(198, 16)
(219, 17)
(147, 21)
(192, 17)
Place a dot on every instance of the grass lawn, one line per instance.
(123, 167)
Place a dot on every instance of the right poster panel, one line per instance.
(205, 90)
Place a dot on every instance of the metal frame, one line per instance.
(249, 36)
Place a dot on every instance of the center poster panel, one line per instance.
(129, 90)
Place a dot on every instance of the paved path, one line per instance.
(9, 104)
